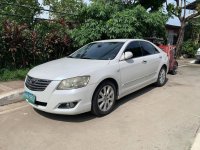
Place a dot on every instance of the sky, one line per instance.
(172, 21)
(175, 20)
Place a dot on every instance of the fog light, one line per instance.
(67, 105)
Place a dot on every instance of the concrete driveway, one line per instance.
(166, 118)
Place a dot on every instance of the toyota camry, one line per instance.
(95, 76)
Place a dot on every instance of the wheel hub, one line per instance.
(106, 98)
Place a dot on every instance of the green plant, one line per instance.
(190, 48)
(178, 9)
(107, 23)
(22, 47)
(26, 42)
(136, 23)
(18, 74)
(14, 42)
(20, 11)
(193, 30)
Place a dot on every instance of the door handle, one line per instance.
(160, 57)
(144, 61)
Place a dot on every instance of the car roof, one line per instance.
(113, 40)
(120, 40)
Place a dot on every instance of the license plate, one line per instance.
(30, 97)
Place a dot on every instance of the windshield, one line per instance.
(98, 50)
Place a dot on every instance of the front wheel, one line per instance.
(104, 99)
(161, 77)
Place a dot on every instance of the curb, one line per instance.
(11, 97)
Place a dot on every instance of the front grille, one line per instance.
(35, 84)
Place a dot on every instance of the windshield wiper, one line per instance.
(70, 57)
(85, 58)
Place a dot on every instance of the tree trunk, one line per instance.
(180, 39)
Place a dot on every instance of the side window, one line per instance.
(148, 49)
(135, 48)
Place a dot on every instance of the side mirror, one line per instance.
(127, 55)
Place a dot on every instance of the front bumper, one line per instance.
(53, 98)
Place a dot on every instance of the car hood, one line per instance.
(66, 68)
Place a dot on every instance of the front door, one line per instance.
(132, 70)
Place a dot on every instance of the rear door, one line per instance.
(152, 58)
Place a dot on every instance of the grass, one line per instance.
(8, 75)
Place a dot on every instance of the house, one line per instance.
(172, 33)
(173, 30)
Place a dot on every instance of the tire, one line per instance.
(174, 71)
(161, 77)
(103, 100)
(197, 61)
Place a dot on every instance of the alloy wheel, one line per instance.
(162, 76)
(106, 98)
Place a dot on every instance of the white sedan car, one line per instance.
(198, 55)
(95, 76)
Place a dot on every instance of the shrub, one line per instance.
(22, 46)
(6, 74)
(189, 48)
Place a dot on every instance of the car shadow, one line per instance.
(197, 62)
(67, 118)
(89, 116)
(133, 96)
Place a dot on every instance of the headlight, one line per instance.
(74, 83)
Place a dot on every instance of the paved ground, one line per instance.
(10, 86)
(166, 118)
(10, 92)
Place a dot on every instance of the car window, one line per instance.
(148, 49)
(135, 48)
(98, 50)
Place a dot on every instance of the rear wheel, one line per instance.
(174, 71)
(161, 77)
(104, 99)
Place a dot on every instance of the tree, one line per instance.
(153, 5)
(67, 9)
(109, 22)
(192, 38)
(179, 10)
(136, 23)
(193, 31)
(21, 11)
